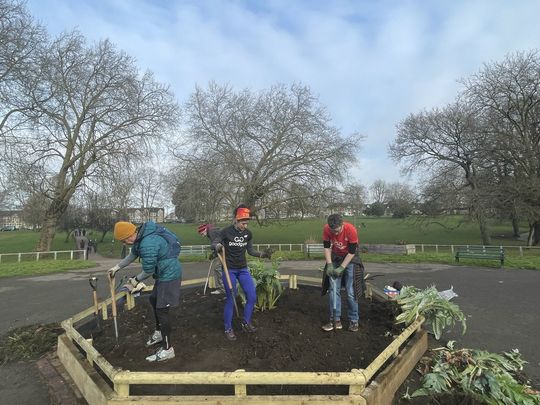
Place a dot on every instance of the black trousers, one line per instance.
(163, 322)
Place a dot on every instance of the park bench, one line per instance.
(481, 252)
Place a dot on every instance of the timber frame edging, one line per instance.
(403, 353)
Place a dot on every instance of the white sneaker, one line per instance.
(155, 338)
(161, 355)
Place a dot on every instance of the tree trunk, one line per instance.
(484, 230)
(48, 230)
(515, 226)
(534, 234)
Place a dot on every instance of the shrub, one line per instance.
(267, 284)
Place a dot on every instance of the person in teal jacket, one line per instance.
(158, 248)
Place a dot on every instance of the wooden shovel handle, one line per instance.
(96, 305)
(113, 296)
(225, 269)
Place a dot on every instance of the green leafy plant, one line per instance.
(485, 377)
(267, 284)
(438, 312)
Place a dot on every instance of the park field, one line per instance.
(449, 231)
(452, 230)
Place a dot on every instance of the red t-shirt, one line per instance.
(340, 242)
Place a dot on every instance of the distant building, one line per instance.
(140, 215)
(13, 218)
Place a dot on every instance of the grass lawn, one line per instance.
(448, 230)
(37, 268)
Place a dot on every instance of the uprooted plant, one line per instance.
(437, 311)
(28, 342)
(485, 377)
(267, 284)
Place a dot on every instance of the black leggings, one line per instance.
(163, 323)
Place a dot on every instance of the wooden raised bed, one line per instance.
(102, 383)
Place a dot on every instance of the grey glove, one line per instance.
(219, 247)
(134, 286)
(112, 271)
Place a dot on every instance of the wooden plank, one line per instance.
(94, 389)
(252, 399)
(90, 350)
(382, 389)
(233, 378)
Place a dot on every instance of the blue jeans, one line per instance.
(352, 311)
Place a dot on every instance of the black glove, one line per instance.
(267, 253)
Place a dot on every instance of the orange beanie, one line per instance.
(242, 213)
(123, 230)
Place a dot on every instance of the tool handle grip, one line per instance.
(113, 296)
(96, 305)
(225, 269)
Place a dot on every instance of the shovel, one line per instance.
(229, 284)
(208, 276)
(93, 284)
(334, 306)
(113, 306)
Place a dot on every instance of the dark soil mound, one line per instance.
(288, 338)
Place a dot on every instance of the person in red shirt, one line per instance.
(340, 241)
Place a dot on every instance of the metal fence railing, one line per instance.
(509, 249)
(204, 249)
(54, 254)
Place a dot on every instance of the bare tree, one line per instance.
(199, 193)
(507, 96)
(401, 199)
(443, 140)
(90, 107)
(20, 41)
(149, 188)
(355, 196)
(33, 211)
(378, 191)
(265, 142)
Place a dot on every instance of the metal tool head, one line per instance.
(93, 282)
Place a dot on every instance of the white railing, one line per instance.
(203, 249)
(41, 255)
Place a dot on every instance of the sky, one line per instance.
(371, 63)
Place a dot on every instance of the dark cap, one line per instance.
(334, 221)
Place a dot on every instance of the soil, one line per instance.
(288, 338)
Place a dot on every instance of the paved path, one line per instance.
(501, 307)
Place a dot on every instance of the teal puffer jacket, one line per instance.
(152, 250)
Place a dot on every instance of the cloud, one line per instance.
(371, 63)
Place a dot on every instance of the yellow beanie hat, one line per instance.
(123, 230)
